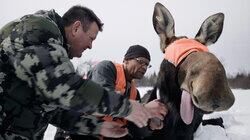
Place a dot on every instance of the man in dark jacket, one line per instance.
(119, 77)
(38, 84)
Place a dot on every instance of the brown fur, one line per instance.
(204, 77)
(201, 74)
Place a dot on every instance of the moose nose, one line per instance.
(215, 106)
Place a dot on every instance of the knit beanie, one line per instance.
(137, 51)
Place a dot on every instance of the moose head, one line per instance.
(200, 76)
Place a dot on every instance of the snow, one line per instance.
(236, 120)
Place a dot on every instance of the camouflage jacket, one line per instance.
(38, 84)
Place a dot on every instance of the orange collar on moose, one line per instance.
(179, 49)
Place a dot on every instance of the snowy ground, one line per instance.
(236, 121)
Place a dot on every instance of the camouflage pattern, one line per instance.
(38, 84)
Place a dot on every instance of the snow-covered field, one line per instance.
(236, 121)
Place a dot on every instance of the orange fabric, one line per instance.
(179, 49)
(85, 76)
(133, 92)
(120, 85)
(120, 82)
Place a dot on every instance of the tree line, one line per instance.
(240, 80)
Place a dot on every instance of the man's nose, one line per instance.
(145, 67)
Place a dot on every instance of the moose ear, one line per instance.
(163, 23)
(210, 29)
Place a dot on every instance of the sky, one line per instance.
(129, 22)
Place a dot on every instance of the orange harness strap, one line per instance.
(179, 49)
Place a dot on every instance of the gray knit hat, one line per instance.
(137, 51)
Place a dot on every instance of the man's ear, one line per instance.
(76, 27)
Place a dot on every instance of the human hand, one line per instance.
(139, 114)
(157, 109)
(113, 129)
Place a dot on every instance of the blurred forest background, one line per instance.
(241, 80)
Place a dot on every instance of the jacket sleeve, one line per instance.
(74, 123)
(45, 66)
(103, 74)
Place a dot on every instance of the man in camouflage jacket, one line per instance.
(38, 84)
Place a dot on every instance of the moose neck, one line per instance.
(179, 49)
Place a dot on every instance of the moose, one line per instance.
(191, 81)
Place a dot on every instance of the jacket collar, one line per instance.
(51, 14)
